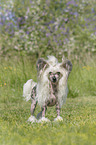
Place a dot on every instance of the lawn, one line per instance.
(79, 112)
(78, 127)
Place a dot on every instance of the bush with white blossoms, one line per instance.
(46, 27)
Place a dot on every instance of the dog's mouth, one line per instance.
(54, 77)
(54, 80)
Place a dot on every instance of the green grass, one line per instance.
(78, 127)
(79, 112)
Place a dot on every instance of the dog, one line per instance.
(51, 87)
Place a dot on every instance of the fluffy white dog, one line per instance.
(51, 88)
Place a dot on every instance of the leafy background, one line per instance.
(49, 27)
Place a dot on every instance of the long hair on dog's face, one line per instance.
(52, 73)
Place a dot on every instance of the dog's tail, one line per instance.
(27, 89)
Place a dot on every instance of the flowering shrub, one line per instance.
(49, 26)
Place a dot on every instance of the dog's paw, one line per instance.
(59, 118)
(32, 119)
(43, 119)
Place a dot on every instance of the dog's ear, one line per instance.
(67, 65)
(41, 64)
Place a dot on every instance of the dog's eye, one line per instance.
(58, 73)
(50, 73)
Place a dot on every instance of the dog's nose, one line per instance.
(54, 79)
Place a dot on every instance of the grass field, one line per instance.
(79, 112)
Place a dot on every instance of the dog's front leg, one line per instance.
(59, 118)
(43, 119)
(57, 109)
(42, 113)
(44, 110)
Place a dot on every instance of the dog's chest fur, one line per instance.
(53, 94)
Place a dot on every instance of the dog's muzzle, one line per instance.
(54, 79)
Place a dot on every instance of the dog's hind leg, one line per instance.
(32, 118)
(33, 106)
(59, 118)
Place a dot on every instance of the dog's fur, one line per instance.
(51, 88)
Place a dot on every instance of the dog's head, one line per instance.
(53, 69)
(54, 77)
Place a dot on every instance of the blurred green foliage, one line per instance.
(49, 27)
